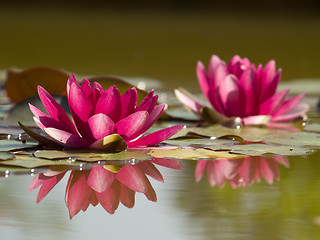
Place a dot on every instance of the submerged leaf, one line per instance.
(22, 85)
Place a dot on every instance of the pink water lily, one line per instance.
(240, 172)
(240, 89)
(100, 117)
(99, 185)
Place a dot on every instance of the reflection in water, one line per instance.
(240, 172)
(107, 185)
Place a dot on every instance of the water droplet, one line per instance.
(32, 170)
(9, 136)
(238, 127)
(99, 162)
(242, 67)
(20, 136)
(213, 138)
(7, 172)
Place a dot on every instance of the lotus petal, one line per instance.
(109, 103)
(54, 109)
(128, 102)
(189, 100)
(131, 126)
(101, 125)
(156, 137)
(66, 138)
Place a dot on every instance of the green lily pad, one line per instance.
(4, 156)
(263, 149)
(27, 161)
(90, 156)
(192, 154)
(13, 145)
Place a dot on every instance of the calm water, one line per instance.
(166, 47)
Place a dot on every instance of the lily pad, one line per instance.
(27, 161)
(264, 149)
(21, 85)
(90, 156)
(13, 145)
(192, 154)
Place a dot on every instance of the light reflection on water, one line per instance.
(287, 209)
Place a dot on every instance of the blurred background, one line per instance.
(161, 40)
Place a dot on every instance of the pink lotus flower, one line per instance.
(240, 172)
(99, 115)
(240, 89)
(99, 185)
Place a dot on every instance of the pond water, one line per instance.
(287, 206)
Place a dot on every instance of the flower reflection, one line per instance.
(240, 172)
(104, 185)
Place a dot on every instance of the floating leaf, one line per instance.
(6, 156)
(13, 145)
(22, 85)
(192, 154)
(263, 149)
(308, 139)
(27, 161)
(90, 156)
(313, 127)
